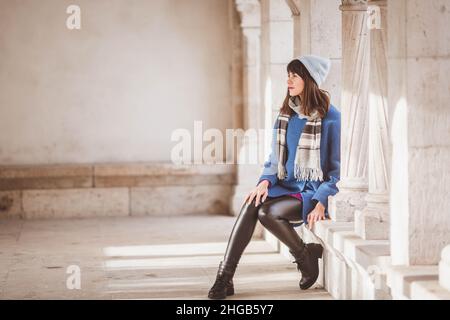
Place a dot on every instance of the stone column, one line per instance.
(309, 31)
(419, 60)
(253, 117)
(277, 48)
(237, 73)
(372, 222)
(301, 15)
(354, 111)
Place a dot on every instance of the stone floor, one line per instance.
(136, 258)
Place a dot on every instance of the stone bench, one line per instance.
(79, 190)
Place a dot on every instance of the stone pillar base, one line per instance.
(370, 227)
(342, 206)
(372, 223)
(444, 268)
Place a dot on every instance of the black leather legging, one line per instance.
(274, 214)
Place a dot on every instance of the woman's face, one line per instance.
(295, 84)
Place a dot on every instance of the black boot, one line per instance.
(308, 263)
(223, 286)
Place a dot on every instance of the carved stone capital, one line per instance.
(380, 3)
(354, 2)
(250, 12)
(353, 5)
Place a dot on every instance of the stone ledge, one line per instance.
(103, 202)
(345, 256)
(73, 176)
(38, 171)
(400, 279)
(46, 177)
(374, 255)
(353, 266)
(70, 190)
(325, 229)
(428, 290)
(348, 243)
(340, 238)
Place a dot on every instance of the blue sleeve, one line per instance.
(270, 169)
(328, 187)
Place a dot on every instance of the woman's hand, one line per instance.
(317, 214)
(260, 192)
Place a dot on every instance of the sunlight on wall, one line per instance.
(399, 185)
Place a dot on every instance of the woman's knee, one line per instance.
(249, 208)
(265, 212)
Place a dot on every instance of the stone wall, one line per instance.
(116, 89)
(80, 191)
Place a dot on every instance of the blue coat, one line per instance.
(311, 191)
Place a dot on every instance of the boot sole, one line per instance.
(305, 287)
(230, 292)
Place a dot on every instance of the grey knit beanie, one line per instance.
(318, 67)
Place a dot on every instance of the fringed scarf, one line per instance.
(307, 156)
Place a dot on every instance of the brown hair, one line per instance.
(312, 97)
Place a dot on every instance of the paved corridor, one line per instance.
(136, 258)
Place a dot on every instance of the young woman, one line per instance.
(301, 172)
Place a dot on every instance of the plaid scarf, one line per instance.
(307, 156)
